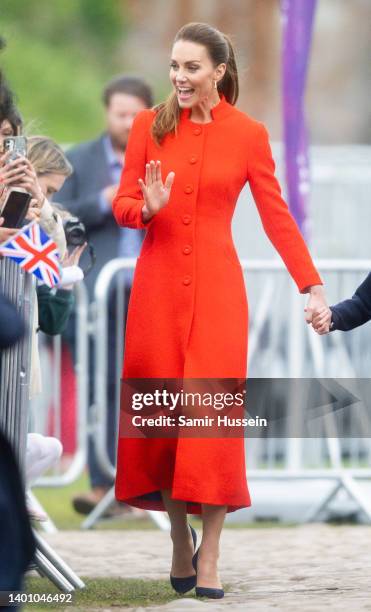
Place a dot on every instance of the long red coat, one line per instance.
(188, 312)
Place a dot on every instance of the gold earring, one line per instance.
(215, 84)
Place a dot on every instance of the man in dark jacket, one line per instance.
(348, 314)
(88, 194)
(97, 167)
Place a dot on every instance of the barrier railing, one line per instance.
(16, 364)
(274, 302)
(15, 372)
(100, 326)
(52, 386)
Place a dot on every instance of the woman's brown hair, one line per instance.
(220, 50)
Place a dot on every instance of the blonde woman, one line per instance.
(41, 173)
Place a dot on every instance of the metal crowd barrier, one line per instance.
(336, 355)
(273, 302)
(19, 287)
(51, 396)
(49, 403)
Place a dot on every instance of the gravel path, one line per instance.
(308, 568)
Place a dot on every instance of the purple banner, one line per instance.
(297, 19)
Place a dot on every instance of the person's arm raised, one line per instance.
(141, 193)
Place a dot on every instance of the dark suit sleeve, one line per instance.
(83, 203)
(355, 311)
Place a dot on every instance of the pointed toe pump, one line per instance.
(209, 592)
(212, 593)
(183, 585)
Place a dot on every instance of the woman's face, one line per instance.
(5, 131)
(51, 183)
(192, 73)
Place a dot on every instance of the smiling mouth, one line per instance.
(184, 92)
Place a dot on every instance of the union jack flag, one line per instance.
(35, 252)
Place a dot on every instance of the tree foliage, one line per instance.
(58, 56)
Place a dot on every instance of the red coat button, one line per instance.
(187, 249)
(197, 131)
(187, 280)
(186, 219)
(188, 189)
(193, 159)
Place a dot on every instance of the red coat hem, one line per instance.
(193, 506)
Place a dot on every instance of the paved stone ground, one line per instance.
(308, 568)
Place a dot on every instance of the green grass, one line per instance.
(57, 502)
(58, 57)
(101, 593)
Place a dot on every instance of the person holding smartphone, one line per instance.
(16, 200)
(10, 171)
(17, 172)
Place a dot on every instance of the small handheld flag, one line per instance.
(35, 252)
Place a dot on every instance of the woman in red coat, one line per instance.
(188, 312)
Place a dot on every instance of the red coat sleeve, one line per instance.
(128, 203)
(279, 225)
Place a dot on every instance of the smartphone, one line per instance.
(17, 145)
(15, 208)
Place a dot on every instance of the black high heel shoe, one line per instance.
(209, 592)
(183, 585)
(212, 593)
